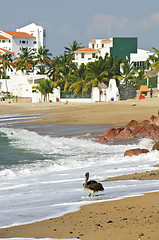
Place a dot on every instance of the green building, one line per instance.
(123, 46)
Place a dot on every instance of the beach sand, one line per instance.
(124, 219)
(130, 218)
(116, 113)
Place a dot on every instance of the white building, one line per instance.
(30, 36)
(96, 48)
(119, 48)
(37, 31)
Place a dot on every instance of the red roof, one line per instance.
(19, 34)
(106, 40)
(5, 50)
(92, 41)
(2, 37)
(86, 49)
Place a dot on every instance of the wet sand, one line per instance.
(119, 219)
(130, 218)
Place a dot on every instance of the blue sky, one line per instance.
(84, 20)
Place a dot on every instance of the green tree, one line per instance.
(128, 71)
(45, 87)
(78, 80)
(6, 64)
(70, 50)
(95, 74)
(26, 60)
(43, 56)
(155, 58)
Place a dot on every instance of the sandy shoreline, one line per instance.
(116, 113)
(118, 219)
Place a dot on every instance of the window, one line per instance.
(102, 44)
(97, 45)
(3, 41)
(93, 46)
(27, 41)
(9, 41)
(20, 41)
(82, 55)
(23, 42)
(34, 42)
(93, 55)
(0, 40)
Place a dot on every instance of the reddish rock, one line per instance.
(146, 123)
(135, 127)
(136, 152)
(132, 124)
(126, 134)
(156, 121)
(103, 140)
(152, 118)
(112, 132)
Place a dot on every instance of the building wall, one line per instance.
(18, 43)
(36, 31)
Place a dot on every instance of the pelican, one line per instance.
(92, 186)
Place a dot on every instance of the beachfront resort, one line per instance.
(28, 74)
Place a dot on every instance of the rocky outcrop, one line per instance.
(156, 121)
(136, 152)
(112, 132)
(126, 134)
(145, 129)
(156, 146)
(135, 127)
(103, 140)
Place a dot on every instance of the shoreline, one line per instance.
(117, 219)
(128, 218)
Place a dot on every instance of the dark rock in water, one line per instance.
(156, 146)
(136, 152)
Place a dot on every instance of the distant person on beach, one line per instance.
(151, 92)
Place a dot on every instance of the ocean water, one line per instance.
(42, 168)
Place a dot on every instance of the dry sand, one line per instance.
(127, 219)
(117, 113)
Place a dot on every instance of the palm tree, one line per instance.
(41, 70)
(53, 70)
(78, 80)
(70, 50)
(43, 55)
(155, 57)
(45, 87)
(6, 64)
(26, 60)
(65, 72)
(95, 74)
(128, 70)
